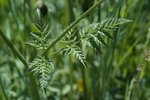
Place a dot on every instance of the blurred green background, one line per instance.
(112, 75)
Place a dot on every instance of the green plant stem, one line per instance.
(3, 89)
(72, 25)
(55, 52)
(130, 89)
(126, 54)
(13, 48)
(71, 18)
(22, 59)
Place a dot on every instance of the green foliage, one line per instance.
(94, 33)
(71, 47)
(77, 52)
(41, 37)
(57, 54)
(43, 68)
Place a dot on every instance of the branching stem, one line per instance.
(72, 25)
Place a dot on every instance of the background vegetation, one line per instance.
(120, 72)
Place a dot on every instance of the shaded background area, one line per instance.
(109, 76)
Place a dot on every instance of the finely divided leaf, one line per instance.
(78, 53)
(43, 68)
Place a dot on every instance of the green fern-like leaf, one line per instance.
(76, 51)
(70, 41)
(66, 50)
(70, 38)
(96, 33)
(112, 23)
(41, 37)
(41, 45)
(43, 68)
(107, 24)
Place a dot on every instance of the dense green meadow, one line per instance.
(74, 49)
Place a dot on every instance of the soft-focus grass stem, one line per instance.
(22, 59)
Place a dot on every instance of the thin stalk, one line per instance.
(99, 13)
(71, 19)
(3, 89)
(138, 14)
(71, 77)
(78, 42)
(109, 66)
(22, 59)
(130, 89)
(61, 50)
(72, 25)
(84, 82)
(126, 54)
(13, 48)
(133, 83)
(94, 90)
